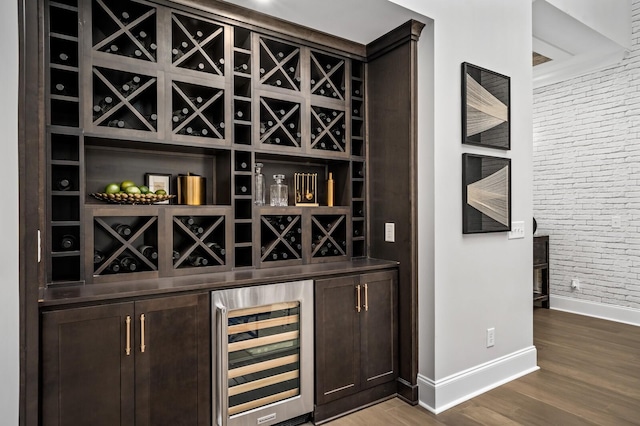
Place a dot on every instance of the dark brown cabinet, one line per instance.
(356, 337)
(144, 363)
(541, 270)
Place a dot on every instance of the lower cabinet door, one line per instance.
(87, 371)
(337, 338)
(173, 359)
(379, 328)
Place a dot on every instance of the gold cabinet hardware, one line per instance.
(358, 298)
(366, 297)
(127, 350)
(142, 346)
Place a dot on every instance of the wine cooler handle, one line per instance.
(142, 333)
(358, 298)
(127, 350)
(223, 365)
(366, 297)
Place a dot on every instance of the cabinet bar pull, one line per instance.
(142, 346)
(358, 298)
(127, 350)
(366, 297)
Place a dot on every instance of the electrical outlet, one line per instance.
(575, 283)
(517, 230)
(491, 337)
(390, 232)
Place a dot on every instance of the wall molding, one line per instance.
(440, 395)
(594, 309)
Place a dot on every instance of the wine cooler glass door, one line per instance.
(264, 364)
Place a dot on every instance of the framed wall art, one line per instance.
(486, 194)
(485, 108)
(156, 181)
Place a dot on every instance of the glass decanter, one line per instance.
(279, 192)
(260, 186)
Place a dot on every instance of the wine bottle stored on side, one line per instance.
(122, 229)
(63, 184)
(98, 257)
(114, 267)
(149, 252)
(128, 264)
(197, 261)
(68, 242)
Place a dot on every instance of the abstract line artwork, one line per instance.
(486, 194)
(485, 108)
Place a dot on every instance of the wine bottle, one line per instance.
(124, 16)
(239, 114)
(112, 49)
(180, 114)
(114, 267)
(200, 66)
(197, 229)
(149, 252)
(116, 123)
(215, 247)
(104, 105)
(152, 117)
(176, 54)
(142, 35)
(284, 255)
(204, 132)
(128, 264)
(123, 229)
(68, 242)
(197, 100)
(241, 67)
(175, 255)
(63, 184)
(60, 89)
(63, 57)
(98, 257)
(197, 260)
(198, 35)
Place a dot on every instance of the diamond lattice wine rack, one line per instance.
(137, 87)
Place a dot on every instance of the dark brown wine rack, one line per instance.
(280, 123)
(124, 100)
(279, 64)
(117, 241)
(327, 76)
(199, 242)
(136, 87)
(197, 45)
(125, 28)
(328, 237)
(328, 129)
(281, 238)
(197, 111)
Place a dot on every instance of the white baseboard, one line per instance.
(593, 309)
(443, 394)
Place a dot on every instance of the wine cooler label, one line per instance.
(267, 418)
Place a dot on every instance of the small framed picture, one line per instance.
(486, 111)
(156, 181)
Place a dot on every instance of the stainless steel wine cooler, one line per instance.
(263, 368)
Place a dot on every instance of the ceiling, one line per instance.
(567, 46)
(373, 17)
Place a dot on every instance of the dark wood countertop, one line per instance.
(91, 293)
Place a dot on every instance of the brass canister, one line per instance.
(191, 190)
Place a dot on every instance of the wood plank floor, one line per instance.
(589, 375)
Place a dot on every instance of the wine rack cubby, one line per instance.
(280, 123)
(125, 28)
(199, 242)
(197, 45)
(279, 64)
(136, 88)
(327, 76)
(124, 100)
(197, 111)
(281, 238)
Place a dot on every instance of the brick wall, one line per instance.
(586, 168)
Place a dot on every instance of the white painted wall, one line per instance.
(586, 197)
(9, 328)
(477, 281)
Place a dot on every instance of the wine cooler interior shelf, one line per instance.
(136, 88)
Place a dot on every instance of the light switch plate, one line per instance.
(390, 232)
(517, 230)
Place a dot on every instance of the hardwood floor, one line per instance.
(589, 375)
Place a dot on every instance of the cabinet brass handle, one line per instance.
(358, 298)
(127, 350)
(366, 297)
(142, 346)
